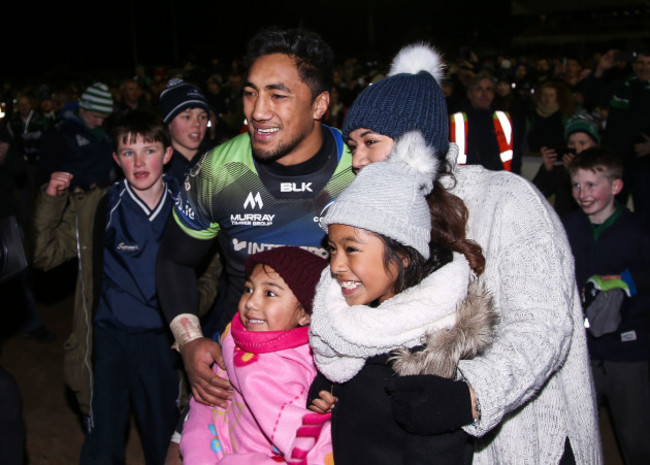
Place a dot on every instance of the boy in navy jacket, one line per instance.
(134, 369)
(611, 245)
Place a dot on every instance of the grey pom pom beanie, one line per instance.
(388, 197)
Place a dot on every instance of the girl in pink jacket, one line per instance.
(270, 367)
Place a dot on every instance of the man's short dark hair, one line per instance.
(140, 122)
(314, 57)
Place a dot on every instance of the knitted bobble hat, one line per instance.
(97, 98)
(388, 197)
(582, 122)
(409, 98)
(179, 96)
(299, 268)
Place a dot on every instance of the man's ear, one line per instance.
(617, 186)
(320, 105)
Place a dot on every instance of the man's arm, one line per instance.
(178, 294)
(208, 283)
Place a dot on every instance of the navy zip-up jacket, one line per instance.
(622, 245)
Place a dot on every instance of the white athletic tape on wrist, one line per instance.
(185, 328)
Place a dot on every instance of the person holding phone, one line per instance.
(552, 178)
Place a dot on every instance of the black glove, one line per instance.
(429, 404)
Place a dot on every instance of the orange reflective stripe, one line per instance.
(503, 130)
(458, 135)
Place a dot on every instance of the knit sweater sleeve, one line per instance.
(529, 272)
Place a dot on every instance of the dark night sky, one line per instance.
(75, 38)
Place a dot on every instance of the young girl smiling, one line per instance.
(395, 302)
(270, 367)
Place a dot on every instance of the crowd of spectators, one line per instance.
(541, 92)
(519, 81)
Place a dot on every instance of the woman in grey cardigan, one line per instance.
(531, 391)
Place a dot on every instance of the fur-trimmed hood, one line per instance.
(473, 332)
(447, 304)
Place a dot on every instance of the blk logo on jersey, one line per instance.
(295, 187)
(252, 201)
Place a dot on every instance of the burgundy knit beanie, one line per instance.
(299, 268)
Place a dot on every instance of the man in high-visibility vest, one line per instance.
(484, 137)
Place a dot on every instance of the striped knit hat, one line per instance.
(582, 122)
(299, 268)
(179, 96)
(97, 98)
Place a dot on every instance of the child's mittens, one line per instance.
(429, 404)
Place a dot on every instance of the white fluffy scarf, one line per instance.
(342, 337)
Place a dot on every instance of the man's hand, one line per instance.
(59, 183)
(198, 357)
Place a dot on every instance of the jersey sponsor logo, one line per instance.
(295, 187)
(251, 219)
(238, 245)
(122, 247)
(319, 219)
(184, 208)
(254, 247)
(252, 201)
